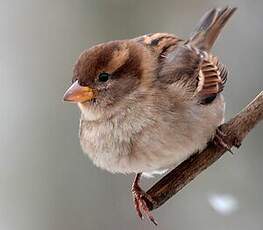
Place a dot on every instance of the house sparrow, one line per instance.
(150, 102)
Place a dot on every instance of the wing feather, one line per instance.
(212, 77)
(203, 72)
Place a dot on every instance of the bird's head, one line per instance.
(107, 74)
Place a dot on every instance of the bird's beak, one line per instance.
(77, 93)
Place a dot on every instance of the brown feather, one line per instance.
(212, 77)
(198, 71)
(159, 43)
(209, 27)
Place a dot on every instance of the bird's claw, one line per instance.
(140, 203)
(220, 140)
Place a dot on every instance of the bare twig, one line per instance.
(236, 129)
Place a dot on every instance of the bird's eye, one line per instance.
(103, 77)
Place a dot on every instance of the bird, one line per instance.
(148, 103)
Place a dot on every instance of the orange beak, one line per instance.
(77, 93)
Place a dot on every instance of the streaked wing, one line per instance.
(201, 72)
(159, 43)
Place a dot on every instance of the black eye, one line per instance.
(104, 77)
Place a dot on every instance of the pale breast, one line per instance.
(144, 141)
(109, 143)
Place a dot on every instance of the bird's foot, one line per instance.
(141, 199)
(220, 140)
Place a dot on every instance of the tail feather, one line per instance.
(209, 27)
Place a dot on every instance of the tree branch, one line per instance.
(236, 130)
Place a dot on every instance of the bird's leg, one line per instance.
(220, 140)
(139, 197)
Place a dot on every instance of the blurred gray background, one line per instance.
(46, 183)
